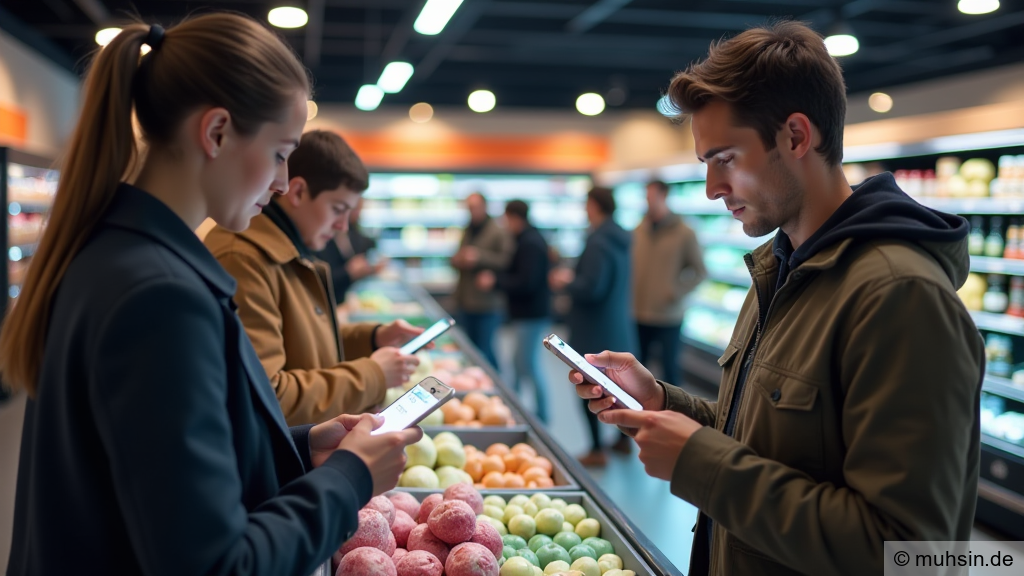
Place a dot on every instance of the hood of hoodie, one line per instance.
(614, 235)
(878, 209)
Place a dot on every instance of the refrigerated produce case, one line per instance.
(380, 300)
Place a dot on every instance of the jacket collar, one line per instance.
(765, 260)
(270, 239)
(136, 210)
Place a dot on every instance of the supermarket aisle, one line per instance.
(663, 518)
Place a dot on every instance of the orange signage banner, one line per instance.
(565, 152)
(13, 124)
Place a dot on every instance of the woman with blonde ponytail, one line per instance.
(153, 442)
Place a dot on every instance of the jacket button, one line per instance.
(776, 394)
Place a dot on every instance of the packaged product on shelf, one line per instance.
(1012, 249)
(994, 243)
(999, 355)
(976, 239)
(973, 291)
(1016, 306)
(977, 173)
(996, 299)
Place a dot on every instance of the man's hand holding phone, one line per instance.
(626, 371)
(396, 333)
(383, 454)
(397, 367)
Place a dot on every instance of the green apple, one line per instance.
(609, 562)
(614, 572)
(519, 500)
(496, 501)
(450, 454)
(511, 511)
(600, 545)
(522, 525)
(556, 567)
(498, 524)
(516, 566)
(537, 571)
(435, 418)
(586, 565)
(558, 504)
(553, 553)
(494, 512)
(581, 550)
(530, 508)
(541, 500)
(589, 527)
(538, 541)
(508, 551)
(566, 527)
(422, 453)
(448, 475)
(567, 539)
(419, 477)
(529, 555)
(574, 513)
(447, 438)
(516, 542)
(549, 521)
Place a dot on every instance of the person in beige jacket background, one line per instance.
(286, 298)
(668, 264)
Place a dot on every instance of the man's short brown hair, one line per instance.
(766, 74)
(604, 198)
(326, 162)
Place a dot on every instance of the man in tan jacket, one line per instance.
(848, 411)
(286, 299)
(667, 265)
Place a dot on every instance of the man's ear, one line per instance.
(298, 190)
(797, 135)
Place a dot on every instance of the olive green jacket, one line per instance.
(859, 420)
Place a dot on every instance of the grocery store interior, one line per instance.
(541, 100)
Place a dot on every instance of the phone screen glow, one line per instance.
(407, 409)
(596, 375)
(423, 339)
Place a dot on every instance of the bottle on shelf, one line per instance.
(994, 243)
(995, 299)
(1012, 248)
(976, 240)
(999, 355)
(1016, 306)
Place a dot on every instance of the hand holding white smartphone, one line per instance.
(416, 344)
(589, 371)
(413, 406)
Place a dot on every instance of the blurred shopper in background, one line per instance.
(485, 247)
(525, 285)
(667, 265)
(349, 255)
(600, 318)
(285, 298)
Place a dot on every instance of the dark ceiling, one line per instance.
(545, 53)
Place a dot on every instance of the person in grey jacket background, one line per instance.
(667, 265)
(600, 316)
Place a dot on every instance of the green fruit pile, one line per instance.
(444, 452)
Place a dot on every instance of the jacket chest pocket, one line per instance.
(729, 362)
(783, 420)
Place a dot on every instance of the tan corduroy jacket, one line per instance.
(495, 246)
(859, 421)
(287, 306)
(668, 264)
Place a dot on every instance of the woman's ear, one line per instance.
(214, 125)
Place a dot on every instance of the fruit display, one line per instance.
(444, 460)
(477, 410)
(461, 533)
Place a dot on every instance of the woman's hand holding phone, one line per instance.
(626, 371)
(383, 454)
(397, 367)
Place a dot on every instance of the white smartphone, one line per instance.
(413, 406)
(440, 327)
(589, 371)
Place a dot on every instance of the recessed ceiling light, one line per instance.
(590, 104)
(978, 6)
(394, 77)
(311, 110)
(421, 112)
(288, 17)
(435, 15)
(103, 37)
(842, 44)
(880, 102)
(482, 101)
(369, 97)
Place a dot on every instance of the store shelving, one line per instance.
(1001, 323)
(1010, 267)
(1003, 387)
(1008, 447)
(28, 184)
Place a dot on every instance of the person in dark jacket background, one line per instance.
(600, 317)
(525, 284)
(152, 441)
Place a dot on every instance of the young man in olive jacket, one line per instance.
(286, 299)
(848, 412)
